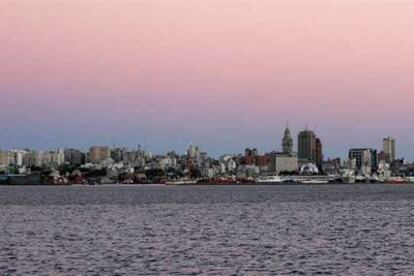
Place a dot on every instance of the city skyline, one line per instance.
(123, 165)
(313, 149)
(224, 75)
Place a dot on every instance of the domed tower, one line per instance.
(287, 142)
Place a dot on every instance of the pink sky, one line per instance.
(224, 74)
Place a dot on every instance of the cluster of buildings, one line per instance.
(102, 164)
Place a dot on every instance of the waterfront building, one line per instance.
(252, 158)
(284, 163)
(39, 159)
(384, 170)
(318, 153)
(59, 157)
(74, 157)
(307, 146)
(349, 164)
(4, 159)
(332, 166)
(50, 158)
(231, 165)
(388, 147)
(129, 158)
(400, 167)
(117, 154)
(29, 158)
(97, 154)
(167, 162)
(366, 160)
(384, 157)
(16, 157)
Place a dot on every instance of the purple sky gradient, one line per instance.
(221, 74)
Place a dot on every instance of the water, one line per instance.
(239, 230)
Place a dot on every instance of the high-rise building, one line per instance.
(193, 152)
(307, 146)
(287, 142)
(319, 153)
(98, 154)
(388, 147)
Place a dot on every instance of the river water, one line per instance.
(208, 230)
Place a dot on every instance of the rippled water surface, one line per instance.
(240, 230)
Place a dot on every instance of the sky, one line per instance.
(222, 74)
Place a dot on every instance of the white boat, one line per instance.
(182, 182)
(314, 181)
(269, 179)
(410, 179)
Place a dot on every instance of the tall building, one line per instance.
(307, 146)
(388, 147)
(287, 142)
(98, 154)
(193, 152)
(319, 153)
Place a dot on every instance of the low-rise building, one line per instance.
(284, 163)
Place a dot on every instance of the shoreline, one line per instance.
(203, 184)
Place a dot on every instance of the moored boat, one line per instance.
(397, 180)
(274, 179)
(181, 182)
(314, 181)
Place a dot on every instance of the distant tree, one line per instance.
(97, 173)
(195, 172)
(154, 173)
(36, 169)
(67, 168)
(174, 173)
